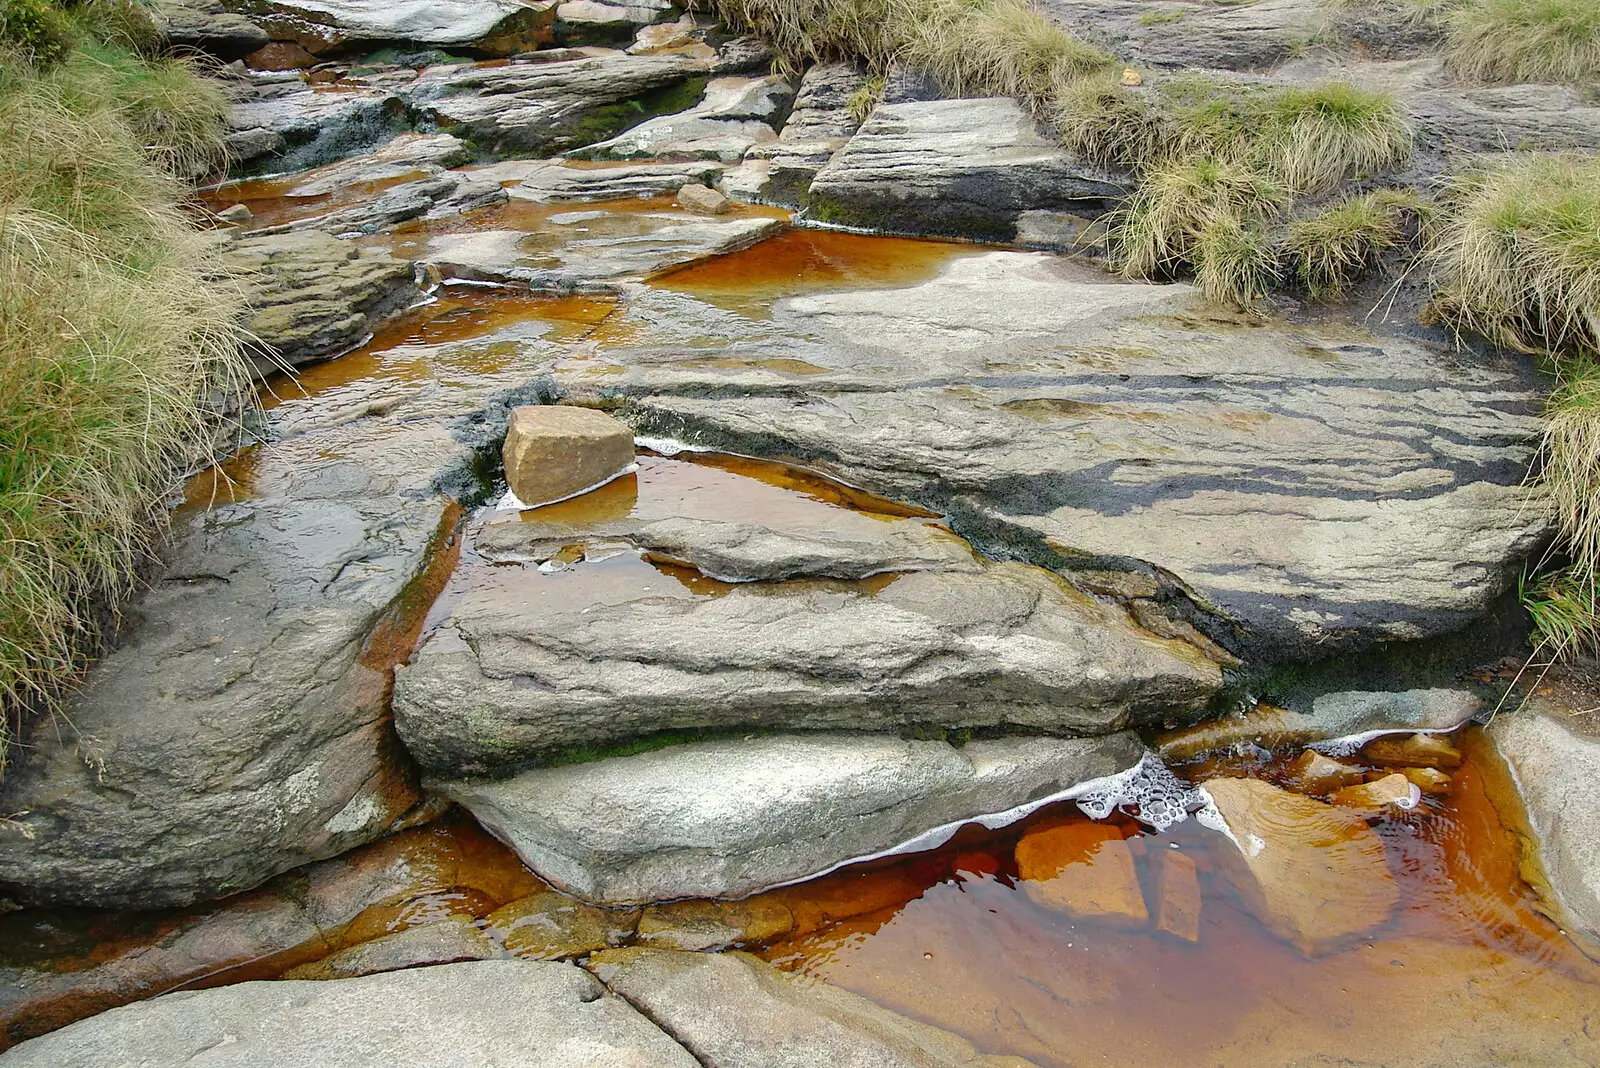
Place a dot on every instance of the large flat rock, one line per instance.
(1177, 34)
(1308, 486)
(542, 108)
(593, 249)
(732, 1010)
(1554, 754)
(733, 116)
(956, 168)
(729, 818)
(493, 27)
(312, 296)
(546, 181)
(516, 1014)
(527, 664)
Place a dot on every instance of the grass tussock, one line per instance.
(118, 339)
(1331, 250)
(1519, 256)
(1524, 41)
(1562, 603)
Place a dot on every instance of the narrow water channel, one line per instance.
(959, 936)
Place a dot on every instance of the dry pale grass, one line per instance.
(1524, 41)
(118, 347)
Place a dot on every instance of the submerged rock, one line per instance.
(1554, 754)
(445, 941)
(1085, 870)
(1083, 423)
(732, 1009)
(1391, 793)
(1314, 874)
(312, 296)
(513, 675)
(1414, 751)
(728, 818)
(516, 1014)
(1313, 773)
(552, 926)
(699, 925)
(956, 168)
(553, 452)
(1177, 894)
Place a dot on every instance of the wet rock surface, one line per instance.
(955, 168)
(734, 116)
(553, 452)
(312, 296)
(467, 1015)
(1013, 645)
(1089, 424)
(1555, 755)
(1316, 875)
(727, 818)
(557, 180)
(1332, 716)
(603, 248)
(539, 109)
(494, 27)
(731, 1009)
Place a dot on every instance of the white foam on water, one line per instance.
(512, 503)
(668, 447)
(1351, 744)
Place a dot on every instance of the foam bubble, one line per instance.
(1148, 791)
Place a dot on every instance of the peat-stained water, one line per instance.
(1466, 971)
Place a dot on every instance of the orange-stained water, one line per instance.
(799, 262)
(1466, 971)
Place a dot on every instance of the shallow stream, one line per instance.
(1465, 970)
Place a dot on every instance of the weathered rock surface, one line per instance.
(1176, 35)
(294, 919)
(492, 27)
(728, 818)
(1458, 122)
(1314, 874)
(312, 296)
(956, 168)
(818, 126)
(241, 727)
(407, 154)
(542, 108)
(518, 1014)
(240, 730)
(435, 196)
(499, 684)
(1554, 754)
(556, 180)
(553, 452)
(1310, 488)
(581, 22)
(446, 941)
(207, 26)
(1335, 715)
(733, 116)
(735, 1011)
(599, 248)
(285, 125)
(698, 530)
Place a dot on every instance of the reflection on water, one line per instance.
(800, 262)
(1465, 972)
